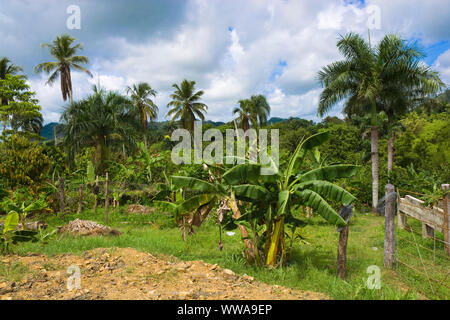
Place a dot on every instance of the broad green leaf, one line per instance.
(327, 190)
(243, 173)
(196, 202)
(311, 199)
(24, 236)
(251, 192)
(11, 222)
(283, 201)
(166, 206)
(35, 206)
(330, 173)
(192, 184)
(304, 146)
(248, 173)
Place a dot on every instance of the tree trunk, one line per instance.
(145, 142)
(80, 198)
(106, 198)
(374, 152)
(61, 195)
(342, 253)
(391, 152)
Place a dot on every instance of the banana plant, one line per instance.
(277, 194)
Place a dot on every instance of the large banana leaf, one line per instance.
(330, 173)
(283, 201)
(327, 190)
(251, 192)
(193, 184)
(309, 144)
(196, 202)
(243, 173)
(166, 206)
(11, 222)
(311, 199)
(248, 173)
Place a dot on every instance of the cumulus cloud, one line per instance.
(231, 49)
(442, 65)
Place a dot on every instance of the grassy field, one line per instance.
(311, 267)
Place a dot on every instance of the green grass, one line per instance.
(311, 267)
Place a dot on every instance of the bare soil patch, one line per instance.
(128, 274)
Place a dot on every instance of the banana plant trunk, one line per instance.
(275, 242)
(374, 156)
(250, 252)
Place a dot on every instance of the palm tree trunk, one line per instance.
(391, 153)
(374, 151)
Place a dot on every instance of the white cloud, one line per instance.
(442, 65)
(274, 48)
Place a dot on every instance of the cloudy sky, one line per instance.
(231, 48)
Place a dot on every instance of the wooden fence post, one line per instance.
(96, 191)
(106, 198)
(446, 226)
(342, 253)
(389, 226)
(61, 195)
(80, 197)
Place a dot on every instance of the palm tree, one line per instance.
(244, 114)
(406, 82)
(372, 80)
(7, 67)
(104, 120)
(65, 54)
(144, 105)
(254, 111)
(186, 105)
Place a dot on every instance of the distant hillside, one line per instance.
(47, 131)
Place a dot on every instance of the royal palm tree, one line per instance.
(66, 59)
(104, 120)
(185, 104)
(254, 111)
(371, 80)
(145, 108)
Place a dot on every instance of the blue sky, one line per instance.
(232, 49)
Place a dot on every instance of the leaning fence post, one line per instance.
(61, 195)
(446, 226)
(389, 226)
(106, 198)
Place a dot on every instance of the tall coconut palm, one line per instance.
(104, 120)
(254, 111)
(371, 80)
(145, 108)
(66, 59)
(185, 104)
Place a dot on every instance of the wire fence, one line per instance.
(421, 255)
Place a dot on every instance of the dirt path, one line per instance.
(124, 273)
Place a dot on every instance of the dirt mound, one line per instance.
(87, 228)
(124, 273)
(139, 209)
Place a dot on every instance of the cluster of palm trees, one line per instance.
(389, 78)
(108, 119)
